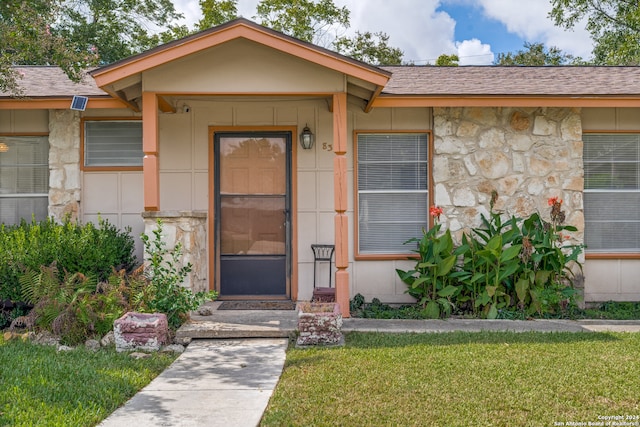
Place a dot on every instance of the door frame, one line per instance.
(214, 267)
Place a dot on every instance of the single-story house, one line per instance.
(206, 133)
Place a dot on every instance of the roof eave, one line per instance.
(466, 100)
(58, 103)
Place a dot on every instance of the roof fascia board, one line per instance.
(497, 101)
(58, 104)
(111, 74)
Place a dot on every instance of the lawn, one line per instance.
(40, 386)
(461, 379)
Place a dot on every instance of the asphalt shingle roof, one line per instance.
(46, 81)
(513, 81)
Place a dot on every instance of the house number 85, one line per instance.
(327, 147)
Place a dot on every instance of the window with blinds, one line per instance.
(612, 192)
(392, 191)
(116, 143)
(24, 178)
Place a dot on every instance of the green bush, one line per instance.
(74, 248)
(165, 293)
(76, 307)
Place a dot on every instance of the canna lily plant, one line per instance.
(430, 282)
(503, 265)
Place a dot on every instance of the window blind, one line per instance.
(393, 194)
(24, 178)
(612, 192)
(113, 143)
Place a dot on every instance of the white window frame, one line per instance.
(10, 143)
(604, 215)
(393, 248)
(132, 146)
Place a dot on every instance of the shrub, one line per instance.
(74, 308)
(78, 306)
(165, 293)
(88, 249)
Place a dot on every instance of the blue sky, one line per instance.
(476, 30)
(472, 23)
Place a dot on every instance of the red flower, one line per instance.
(554, 200)
(435, 212)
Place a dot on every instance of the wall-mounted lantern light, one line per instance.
(3, 147)
(306, 138)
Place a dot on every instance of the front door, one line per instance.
(252, 214)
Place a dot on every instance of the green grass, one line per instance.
(40, 386)
(460, 379)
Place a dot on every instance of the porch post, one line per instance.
(340, 200)
(150, 167)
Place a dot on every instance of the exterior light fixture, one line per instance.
(3, 147)
(306, 138)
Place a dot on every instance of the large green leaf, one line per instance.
(491, 290)
(542, 277)
(493, 312)
(419, 281)
(432, 310)
(509, 270)
(510, 253)
(426, 265)
(477, 276)
(495, 243)
(445, 266)
(522, 286)
(483, 299)
(448, 291)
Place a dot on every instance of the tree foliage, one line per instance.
(217, 12)
(372, 48)
(116, 29)
(76, 34)
(445, 60)
(323, 23)
(308, 20)
(536, 54)
(27, 38)
(614, 26)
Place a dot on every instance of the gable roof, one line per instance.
(122, 79)
(237, 28)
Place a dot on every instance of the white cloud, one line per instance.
(474, 52)
(424, 33)
(414, 26)
(533, 24)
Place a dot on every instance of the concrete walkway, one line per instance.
(226, 377)
(213, 383)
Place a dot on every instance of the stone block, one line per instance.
(141, 331)
(319, 324)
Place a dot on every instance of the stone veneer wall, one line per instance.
(525, 154)
(64, 163)
(189, 228)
